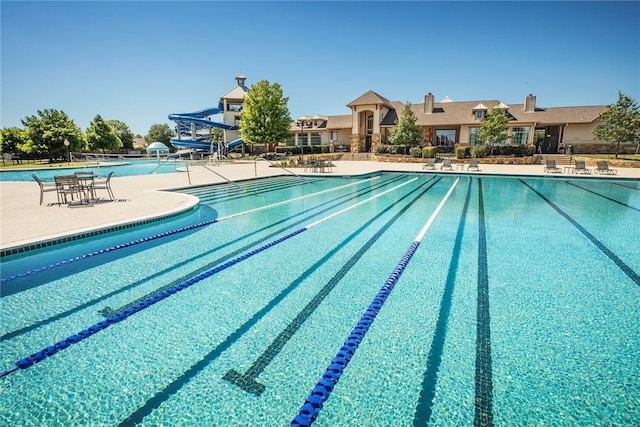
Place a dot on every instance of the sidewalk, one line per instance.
(23, 221)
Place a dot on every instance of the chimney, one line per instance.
(530, 104)
(428, 103)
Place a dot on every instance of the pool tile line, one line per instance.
(323, 388)
(109, 249)
(247, 381)
(603, 196)
(608, 252)
(424, 407)
(72, 238)
(173, 387)
(483, 403)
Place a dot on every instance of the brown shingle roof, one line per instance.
(368, 98)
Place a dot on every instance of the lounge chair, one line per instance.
(104, 185)
(45, 187)
(602, 168)
(551, 166)
(446, 164)
(473, 164)
(431, 164)
(581, 167)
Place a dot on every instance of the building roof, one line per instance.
(451, 113)
(238, 92)
(369, 98)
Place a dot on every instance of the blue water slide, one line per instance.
(185, 121)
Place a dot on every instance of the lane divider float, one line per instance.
(323, 388)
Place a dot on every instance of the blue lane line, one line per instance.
(107, 250)
(321, 392)
(61, 345)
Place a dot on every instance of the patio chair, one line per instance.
(104, 185)
(473, 164)
(45, 187)
(68, 185)
(551, 166)
(602, 168)
(581, 167)
(431, 164)
(446, 164)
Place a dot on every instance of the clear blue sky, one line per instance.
(140, 61)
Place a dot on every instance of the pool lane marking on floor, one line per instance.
(424, 407)
(172, 388)
(63, 344)
(108, 311)
(603, 196)
(323, 388)
(608, 252)
(171, 233)
(483, 403)
(247, 380)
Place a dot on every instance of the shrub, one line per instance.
(479, 151)
(429, 152)
(415, 152)
(462, 152)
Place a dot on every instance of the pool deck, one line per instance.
(24, 222)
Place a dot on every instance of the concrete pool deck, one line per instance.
(23, 221)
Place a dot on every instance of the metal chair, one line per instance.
(45, 187)
(104, 185)
(68, 185)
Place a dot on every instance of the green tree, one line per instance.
(46, 133)
(265, 116)
(124, 133)
(100, 136)
(160, 133)
(406, 131)
(622, 122)
(12, 138)
(494, 127)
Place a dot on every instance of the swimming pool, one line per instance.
(129, 168)
(518, 305)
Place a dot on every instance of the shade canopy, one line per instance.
(157, 147)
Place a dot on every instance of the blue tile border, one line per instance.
(79, 236)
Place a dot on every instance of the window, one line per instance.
(291, 140)
(316, 138)
(472, 135)
(445, 137)
(234, 107)
(519, 135)
(479, 114)
(302, 139)
(369, 124)
(334, 136)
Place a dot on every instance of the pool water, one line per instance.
(129, 168)
(519, 306)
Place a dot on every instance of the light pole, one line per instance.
(66, 144)
(302, 122)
